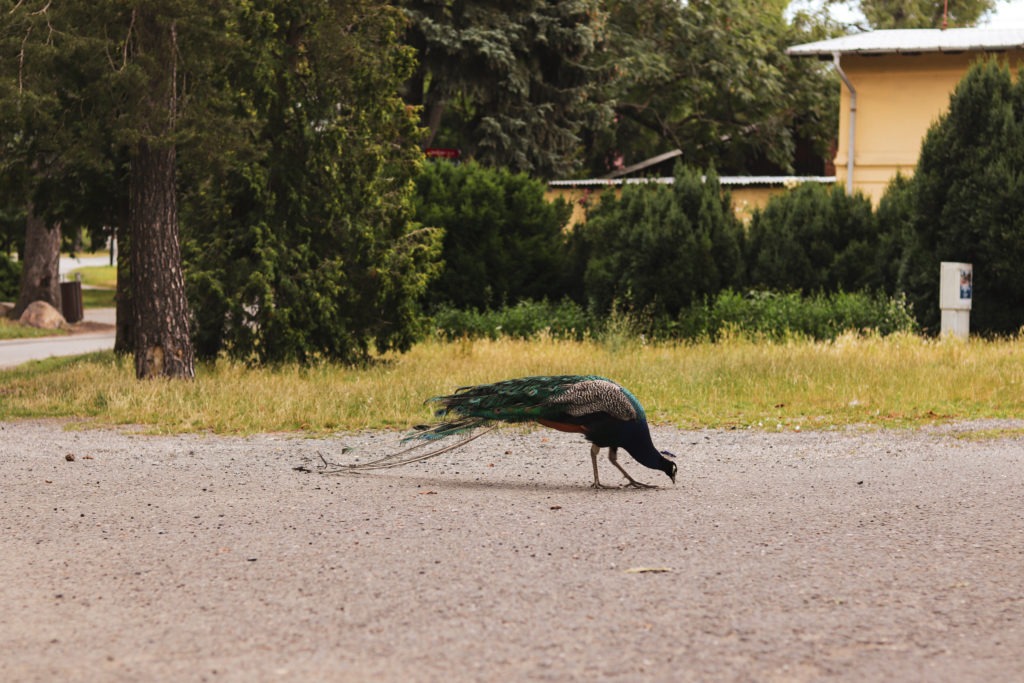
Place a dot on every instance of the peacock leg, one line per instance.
(613, 458)
(594, 450)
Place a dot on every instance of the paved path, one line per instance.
(855, 555)
(14, 352)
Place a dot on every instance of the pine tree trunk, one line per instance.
(163, 346)
(40, 274)
(160, 330)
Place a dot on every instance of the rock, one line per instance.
(5, 310)
(42, 315)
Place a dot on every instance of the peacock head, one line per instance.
(667, 466)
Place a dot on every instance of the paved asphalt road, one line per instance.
(17, 351)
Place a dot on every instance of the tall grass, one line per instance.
(738, 382)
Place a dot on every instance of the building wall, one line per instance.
(898, 98)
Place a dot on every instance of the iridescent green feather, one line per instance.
(525, 399)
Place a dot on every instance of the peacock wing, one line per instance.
(598, 395)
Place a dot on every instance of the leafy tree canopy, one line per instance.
(886, 14)
(711, 78)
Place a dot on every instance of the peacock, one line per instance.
(604, 412)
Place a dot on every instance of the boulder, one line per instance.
(5, 309)
(42, 315)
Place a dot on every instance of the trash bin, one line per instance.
(71, 301)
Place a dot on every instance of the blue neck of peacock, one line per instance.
(637, 440)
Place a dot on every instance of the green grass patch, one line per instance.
(11, 329)
(899, 380)
(98, 298)
(98, 276)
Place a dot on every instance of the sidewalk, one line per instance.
(17, 351)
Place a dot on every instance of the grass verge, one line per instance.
(899, 380)
(12, 329)
(98, 276)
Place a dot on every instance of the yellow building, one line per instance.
(897, 83)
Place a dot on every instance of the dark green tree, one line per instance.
(814, 238)
(503, 242)
(105, 75)
(33, 144)
(968, 201)
(299, 241)
(508, 83)
(660, 248)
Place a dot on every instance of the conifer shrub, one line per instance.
(966, 202)
(503, 241)
(659, 248)
(814, 238)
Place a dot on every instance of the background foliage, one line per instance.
(966, 201)
(659, 247)
(298, 234)
(503, 242)
(814, 238)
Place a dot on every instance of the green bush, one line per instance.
(503, 241)
(760, 314)
(659, 248)
(782, 315)
(814, 238)
(967, 199)
(524, 320)
(10, 276)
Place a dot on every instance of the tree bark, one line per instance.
(40, 274)
(163, 345)
(161, 335)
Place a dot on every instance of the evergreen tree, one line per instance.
(503, 242)
(659, 248)
(510, 84)
(814, 238)
(968, 201)
(299, 244)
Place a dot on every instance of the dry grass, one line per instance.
(892, 381)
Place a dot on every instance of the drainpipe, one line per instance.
(853, 120)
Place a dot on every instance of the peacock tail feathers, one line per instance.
(528, 399)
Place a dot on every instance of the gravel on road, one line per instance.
(847, 555)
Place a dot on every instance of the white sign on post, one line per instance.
(956, 289)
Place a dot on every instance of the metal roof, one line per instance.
(723, 180)
(915, 40)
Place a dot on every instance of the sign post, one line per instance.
(956, 288)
